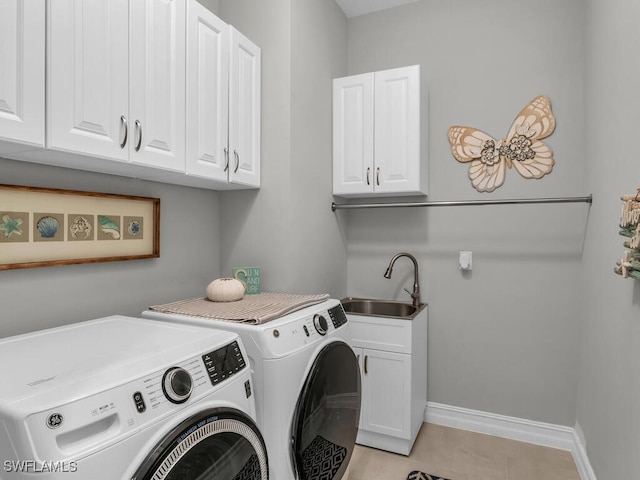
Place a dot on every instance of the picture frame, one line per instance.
(43, 227)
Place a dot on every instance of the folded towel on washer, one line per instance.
(255, 309)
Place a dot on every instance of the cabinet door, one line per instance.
(88, 87)
(397, 130)
(353, 135)
(386, 393)
(22, 37)
(207, 93)
(244, 111)
(157, 84)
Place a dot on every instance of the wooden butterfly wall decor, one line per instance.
(521, 149)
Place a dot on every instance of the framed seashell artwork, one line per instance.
(42, 227)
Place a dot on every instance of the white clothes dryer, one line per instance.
(307, 387)
(122, 398)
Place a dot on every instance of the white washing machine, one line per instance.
(307, 388)
(121, 398)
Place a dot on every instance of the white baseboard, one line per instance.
(538, 433)
(580, 455)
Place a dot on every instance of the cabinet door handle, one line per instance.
(139, 133)
(366, 370)
(368, 173)
(123, 122)
(237, 157)
(378, 176)
(226, 157)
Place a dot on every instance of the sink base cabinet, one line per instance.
(392, 354)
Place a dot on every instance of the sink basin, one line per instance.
(380, 308)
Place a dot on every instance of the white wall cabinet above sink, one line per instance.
(22, 60)
(379, 134)
(125, 94)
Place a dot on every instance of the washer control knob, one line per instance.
(321, 324)
(177, 385)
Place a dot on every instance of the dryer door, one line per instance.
(325, 423)
(216, 444)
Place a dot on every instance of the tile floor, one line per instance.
(462, 455)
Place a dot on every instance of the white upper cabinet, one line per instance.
(22, 81)
(155, 89)
(157, 83)
(353, 134)
(244, 111)
(378, 145)
(116, 80)
(88, 72)
(207, 93)
(223, 101)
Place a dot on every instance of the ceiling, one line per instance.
(355, 8)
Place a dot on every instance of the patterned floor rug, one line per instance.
(416, 475)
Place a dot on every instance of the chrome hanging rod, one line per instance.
(462, 203)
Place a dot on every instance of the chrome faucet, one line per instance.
(415, 295)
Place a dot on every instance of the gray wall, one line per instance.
(502, 338)
(287, 227)
(255, 223)
(39, 298)
(319, 54)
(608, 399)
(210, 4)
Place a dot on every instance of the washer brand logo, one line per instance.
(55, 420)
(31, 466)
(38, 382)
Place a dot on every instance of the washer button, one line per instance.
(139, 401)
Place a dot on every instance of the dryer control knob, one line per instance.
(321, 324)
(177, 385)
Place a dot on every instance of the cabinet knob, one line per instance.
(366, 370)
(378, 176)
(368, 172)
(226, 157)
(237, 157)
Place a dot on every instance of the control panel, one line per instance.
(224, 362)
(107, 416)
(294, 332)
(338, 317)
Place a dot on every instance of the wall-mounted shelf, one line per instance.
(462, 203)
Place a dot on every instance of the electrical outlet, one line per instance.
(465, 261)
